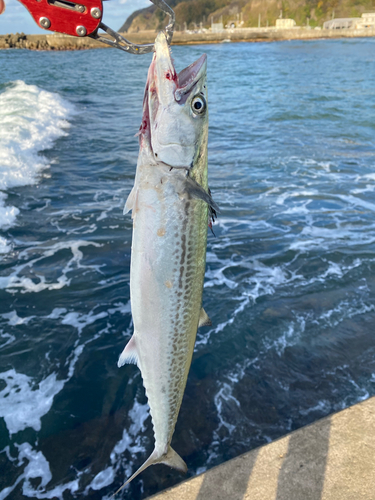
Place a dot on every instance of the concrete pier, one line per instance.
(331, 459)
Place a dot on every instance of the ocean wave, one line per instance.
(31, 119)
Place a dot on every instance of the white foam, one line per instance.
(5, 247)
(37, 467)
(323, 406)
(7, 214)
(80, 321)
(24, 401)
(121, 308)
(345, 309)
(298, 209)
(368, 177)
(294, 194)
(225, 397)
(200, 470)
(228, 412)
(57, 313)
(227, 224)
(357, 202)
(15, 320)
(204, 338)
(290, 336)
(31, 119)
(343, 373)
(21, 404)
(312, 238)
(103, 478)
(16, 280)
(8, 337)
(217, 277)
(266, 279)
(131, 442)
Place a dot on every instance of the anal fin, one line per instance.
(129, 355)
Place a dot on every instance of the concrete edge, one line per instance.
(330, 459)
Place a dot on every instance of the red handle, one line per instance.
(63, 16)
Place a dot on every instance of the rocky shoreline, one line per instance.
(65, 42)
(47, 42)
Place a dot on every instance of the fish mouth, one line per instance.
(188, 77)
(164, 76)
(166, 93)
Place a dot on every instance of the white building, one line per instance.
(285, 23)
(216, 27)
(341, 23)
(366, 21)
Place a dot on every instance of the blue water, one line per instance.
(290, 282)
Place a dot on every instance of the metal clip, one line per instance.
(122, 43)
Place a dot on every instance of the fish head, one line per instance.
(175, 115)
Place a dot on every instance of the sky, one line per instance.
(16, 17)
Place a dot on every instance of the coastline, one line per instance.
(66, 42)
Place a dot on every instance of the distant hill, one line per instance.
(314, 12)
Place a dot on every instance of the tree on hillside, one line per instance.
(190, 11)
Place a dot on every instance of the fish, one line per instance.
(171, 208)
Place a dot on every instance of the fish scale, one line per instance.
(177, 284)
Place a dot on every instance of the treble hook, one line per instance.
(122, 43)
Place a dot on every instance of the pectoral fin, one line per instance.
(204, 320)
(193, 189)
(131, 202)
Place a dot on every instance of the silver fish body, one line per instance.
(170, 209)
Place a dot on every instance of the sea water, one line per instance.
(290, 280)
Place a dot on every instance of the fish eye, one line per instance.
(198, 105)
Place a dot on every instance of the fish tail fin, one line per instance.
(170, 458)
(152, 459)
(173, 459)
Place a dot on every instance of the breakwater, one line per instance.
(65, 42)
